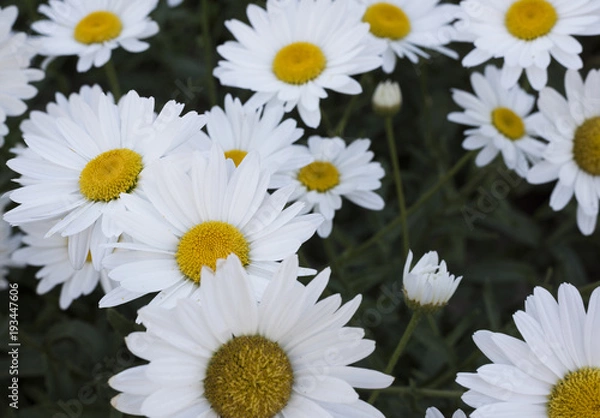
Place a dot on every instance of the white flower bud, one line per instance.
(428, 285)
(387, 98)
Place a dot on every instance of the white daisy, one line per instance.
(428, 285)
(572, 127)
(501, 122)
(51, 254)
(91, 29)
(239, 130)
(387, 98)
(220, 354)
(336, 171)
(294, 50)
(554, 372)
(527, 33)
(9, 242)
(404, 27)
(194, 218)
(15, 74)
(85, 152)
(433, 412)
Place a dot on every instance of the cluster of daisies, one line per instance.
(207, 211)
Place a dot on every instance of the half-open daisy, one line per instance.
(239, 130)
(194, 218)
(554, 372)
(572, 127)
(404, 27)
(15, 75)
(433, 412)
(294, 50)
(224, 355)
(501, 122)
(91, 29)
(527, 33)
(336, 171)
(52, 255)
(85, 152)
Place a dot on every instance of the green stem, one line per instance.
(339, 129)
(389, 131)
(398, 220)
(113, 80)
(410, 328)
(208, 53)
(589, 288)
(432, 393)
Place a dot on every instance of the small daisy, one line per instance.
(336, 171)
(501, 122)
(294, 50)
(194, 218)
(220, 354)
(9, 242)
(572, 127)
(15, 74)
(435, 413)
(554, 372)
(387, 98)
(527, 33)
(428, 285)
(239, 130)
(52, 255)
(85, 152)
(91, 29)
(404, 27)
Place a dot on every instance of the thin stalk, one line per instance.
(410, 328)
(113, 80)
(389, 131)
(431, 393)
(208, 53)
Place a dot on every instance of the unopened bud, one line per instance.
(387, 98)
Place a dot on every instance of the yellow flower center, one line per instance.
(387, 21)
(577, 395)
(109, 174)
(508, 123)
(530, 19)
(208, 242)
(98, 27)
(299, 63)
(586, 146)
(319, 175)
(237, 155)
(248, 376)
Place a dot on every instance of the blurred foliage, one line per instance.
(492, 228)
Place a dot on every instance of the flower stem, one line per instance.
(410, 328)
(389, 131)
(208, 56)
(411, 209)
(113, 80)
(433, 393)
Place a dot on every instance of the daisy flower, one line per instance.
(435, 413)
(501, 122)
(222, 354)
(572, 127)
(195, 217)
(85, 152)
(294, 50)
(387, 98)
(52, 255)
(15, 74)
(527, 33)
(336, 171)
(9, 242)
(428, 285)
(554, 372)
(91, 29)
(405, 27)
(239, 130)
